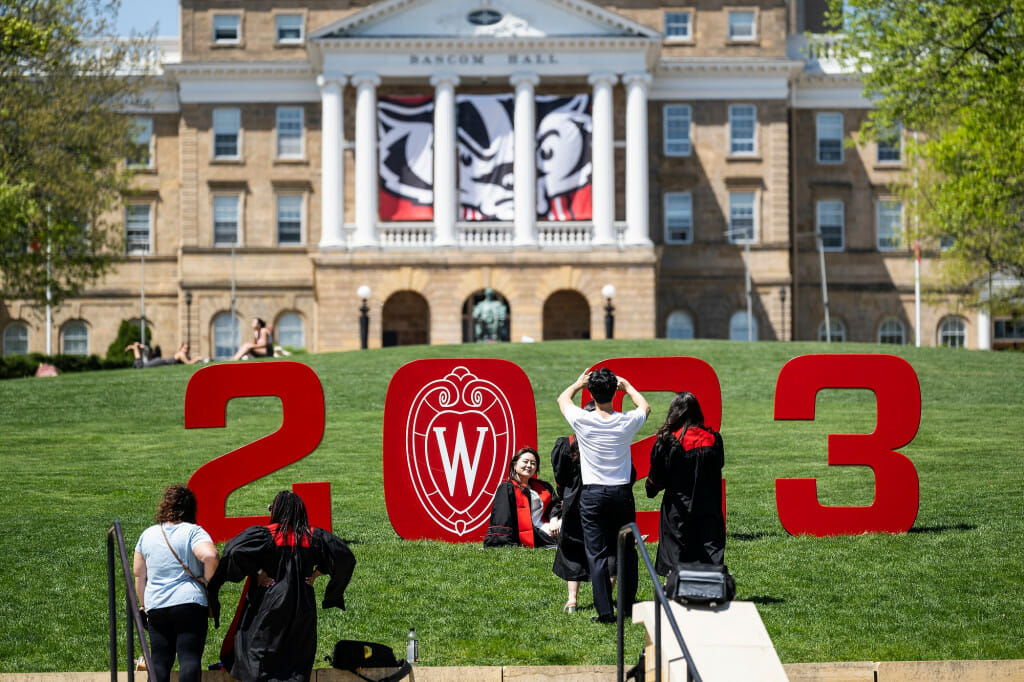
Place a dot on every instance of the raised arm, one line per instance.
(565, 399)
(634, 395)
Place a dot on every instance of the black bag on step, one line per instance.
(352, 655)
(696, 583)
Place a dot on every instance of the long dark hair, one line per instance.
(520, 453)
(288, 511)
(684, 411)
(178, 504)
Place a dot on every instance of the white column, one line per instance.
(637, 172)
(524, 162)
(332, 171)
(366, 183)
(445, 181)
(602, 149)
(984, 329)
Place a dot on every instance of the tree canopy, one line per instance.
(66, 82)
(953, 71)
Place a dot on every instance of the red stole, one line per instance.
(524, 518)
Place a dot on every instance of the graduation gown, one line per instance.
(276, 636)
(689, 470)
(511, 522)
(570, 559)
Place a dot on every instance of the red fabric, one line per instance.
(396, 208)
(694, 437)
(282, 541)
(524, 518)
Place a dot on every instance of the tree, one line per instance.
(65, 83)
(953, 71)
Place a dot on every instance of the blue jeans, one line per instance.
(604, 509)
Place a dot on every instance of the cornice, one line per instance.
(703, 66)
(239, 69)
(488, 43)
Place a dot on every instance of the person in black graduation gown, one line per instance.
(276, 636)
(525, 510)
(686, 462)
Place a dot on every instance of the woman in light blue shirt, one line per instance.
(174, 560)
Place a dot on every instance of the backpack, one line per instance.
(353, 655)
(697, 583)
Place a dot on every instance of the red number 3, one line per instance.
(302, 427)
(898, 396)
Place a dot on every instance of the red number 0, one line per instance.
(665, 374)
(302, 427)
(898, 396)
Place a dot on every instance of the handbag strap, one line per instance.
(175, 555)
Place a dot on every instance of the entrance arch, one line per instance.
(566, 316)
(469, 328)
(405, 320)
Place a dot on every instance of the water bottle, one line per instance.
(412, 647)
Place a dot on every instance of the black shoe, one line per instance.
(603, 619)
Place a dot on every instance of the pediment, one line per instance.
(484, 19)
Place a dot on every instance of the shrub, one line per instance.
(127, 334)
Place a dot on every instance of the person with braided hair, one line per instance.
(526, 511)
(276, 637)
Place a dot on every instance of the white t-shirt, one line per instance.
(604, 443)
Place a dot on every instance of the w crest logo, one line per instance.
(463, 419)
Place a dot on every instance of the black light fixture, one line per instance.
(608, 291)
(363, 292)
(782, 299)
(188, 319)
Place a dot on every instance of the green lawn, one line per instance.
(81, 450)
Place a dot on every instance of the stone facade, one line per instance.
(420, 293)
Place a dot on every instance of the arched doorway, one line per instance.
(566, 316)
(484, 310)
(405, 320)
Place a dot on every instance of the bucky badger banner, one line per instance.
(485, 157)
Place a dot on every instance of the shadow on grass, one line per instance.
(764, 599)
(760, 535)
(941, 529)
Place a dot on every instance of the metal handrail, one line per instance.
(631, 533)
(133, 620)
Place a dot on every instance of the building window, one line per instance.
(142, 143)
(290, 331)
(677, 129)
(225, 336)
(953, 333)
(742, 124)
(738, 328)
(678, 26)
(838, 333)
(891, 331)
(1008, 332)
(830, 224)
(679, 325)
(227, 29)
(227, 129)
(289, 219)
(830, 137)
(742, 25)
(946, 242)
(742, 224)
(75, 338)
(289, 28)
(225, 220)
(890, 224)
(289, 133)
(137, 227)
(16, 339)
(890, 145)
(678, 218)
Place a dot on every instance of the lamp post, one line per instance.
(782, 304)
(608, 291)
(188, 319)
(363, 292)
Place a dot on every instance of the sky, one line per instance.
(141, 15)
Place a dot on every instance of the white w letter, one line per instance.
(461, 454)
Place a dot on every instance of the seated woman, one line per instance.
(262, 345)
(180, 357)
(526, 511)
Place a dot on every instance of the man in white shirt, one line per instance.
(606, 498)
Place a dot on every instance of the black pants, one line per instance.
(178, 630)
(604, 509)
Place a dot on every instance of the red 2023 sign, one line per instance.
(451, 426)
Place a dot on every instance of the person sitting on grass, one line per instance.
(526, 511)
(142, 361)
(261, 346)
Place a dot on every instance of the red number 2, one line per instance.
(898, 396)
(302, 427)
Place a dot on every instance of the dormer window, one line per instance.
(484, 17)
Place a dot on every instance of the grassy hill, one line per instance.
(78, 451)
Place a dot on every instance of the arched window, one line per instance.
(738, 327)
(226, 338)
(290, 331)
(892, 331)
(953, 332)
(679, 325)
(16, 339)
(566, 315)
(838, 334)
(75, 338)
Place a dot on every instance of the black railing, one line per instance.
(133, 619)
(631, 533)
